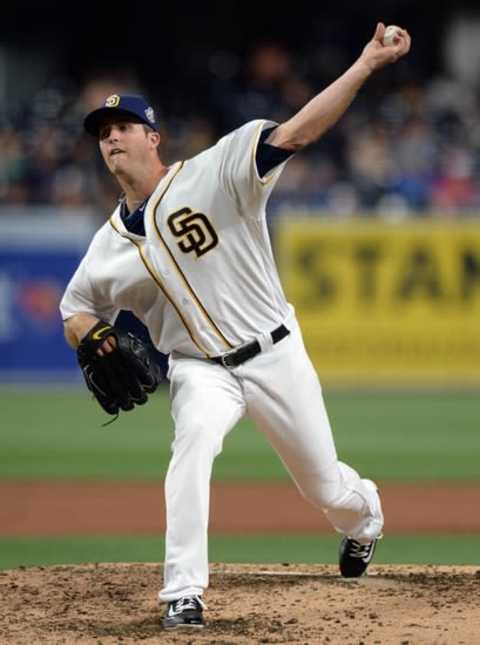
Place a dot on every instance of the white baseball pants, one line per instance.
(280, 391)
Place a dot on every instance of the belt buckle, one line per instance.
(224, 359)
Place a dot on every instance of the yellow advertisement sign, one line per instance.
(385, 303)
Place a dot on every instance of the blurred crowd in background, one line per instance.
(407, 146)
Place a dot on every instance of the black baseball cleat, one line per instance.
(186, 612)
(354, 557)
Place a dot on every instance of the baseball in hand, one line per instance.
(391, 35)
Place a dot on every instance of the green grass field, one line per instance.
(399, 437)
(431, 549)
(387, 436)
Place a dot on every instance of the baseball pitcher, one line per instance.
(188, 252)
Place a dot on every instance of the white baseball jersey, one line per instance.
(203, 279)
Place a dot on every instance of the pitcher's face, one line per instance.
(126, 146)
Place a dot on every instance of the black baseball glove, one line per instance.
(122, 378)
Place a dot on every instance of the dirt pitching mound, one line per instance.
(111, 603)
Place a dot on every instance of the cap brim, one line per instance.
(95, 119)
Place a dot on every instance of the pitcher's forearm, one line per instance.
(323, 111)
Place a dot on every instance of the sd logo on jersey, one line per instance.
(196, 232)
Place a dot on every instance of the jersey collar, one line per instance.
(134, 232)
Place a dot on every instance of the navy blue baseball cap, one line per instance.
(125, 105)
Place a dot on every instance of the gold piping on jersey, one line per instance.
(263, 180)
(162, 288)
(194, 296)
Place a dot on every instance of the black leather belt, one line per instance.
(245, 352)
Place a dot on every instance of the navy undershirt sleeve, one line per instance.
(268, 156)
